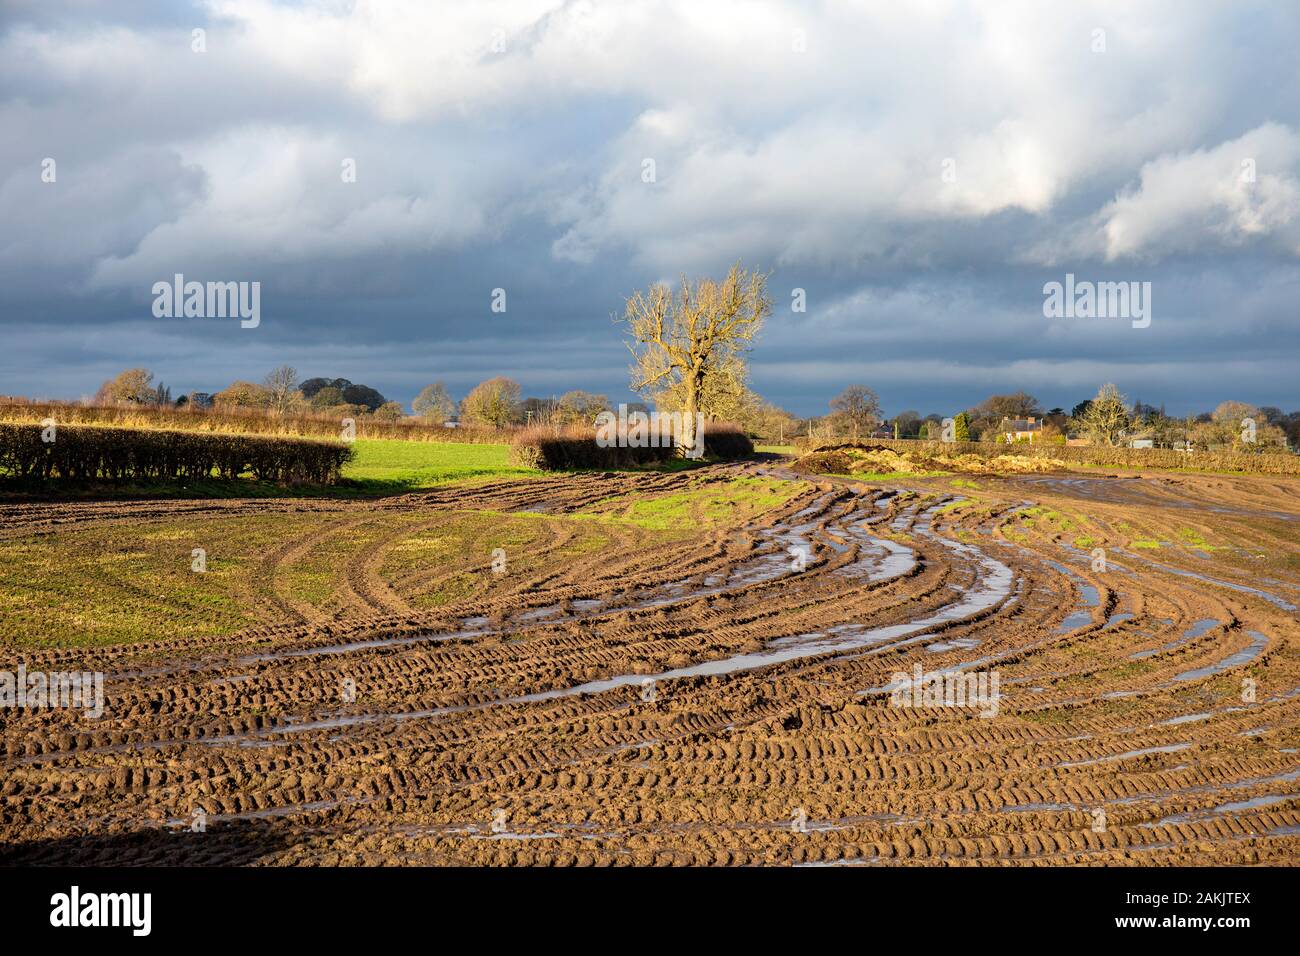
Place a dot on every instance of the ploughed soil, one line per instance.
(719, 698)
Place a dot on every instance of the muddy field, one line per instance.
(713, 692)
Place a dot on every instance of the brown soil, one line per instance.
(467, 743)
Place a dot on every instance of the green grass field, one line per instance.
(703, 506)
(391, 465)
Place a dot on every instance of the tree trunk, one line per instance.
(694, 388)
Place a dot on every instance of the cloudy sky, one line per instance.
(920, 169)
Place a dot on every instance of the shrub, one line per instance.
(725, 440)
(576, 448)
(116, 454)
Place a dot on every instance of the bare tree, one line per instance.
(281, 386)
(434, 403)
(677, 339)
(1105, 417)
(858, 407)
(1021, 404)
(579, 408)
(724, 395)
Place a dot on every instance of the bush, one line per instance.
(115, 454)
(725, 440)
(576, 448)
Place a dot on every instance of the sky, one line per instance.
(920, 171)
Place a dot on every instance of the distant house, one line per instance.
(1020, 429)
(451, 423)
(1139, 436)
(882, 431)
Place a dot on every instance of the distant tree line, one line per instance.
(495, 403)
(722, 392)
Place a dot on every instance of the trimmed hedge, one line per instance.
(576, 449)
(117, 454)
(1259, 463)
(725, 440)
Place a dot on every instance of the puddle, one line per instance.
(1088, 593)
(960, 643)
(330, 649)
(1167, 749)
(1193, 632)
(1244, 656)
(1186, 719)
(1231, 585)
(1254, 803)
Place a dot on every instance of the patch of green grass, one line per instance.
(1129, 670)
(1084, 542)
(108, 583)
(1119, 706)
(115, 583)
(1192, 538)
(1029, 515)
(776, 449)
(1143, 543)
(709, 504)
(964, 483)
(388, 465)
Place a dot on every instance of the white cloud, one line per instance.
(277, 195)
(1238, 192)
(822, 155)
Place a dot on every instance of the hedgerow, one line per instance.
(97, 453)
